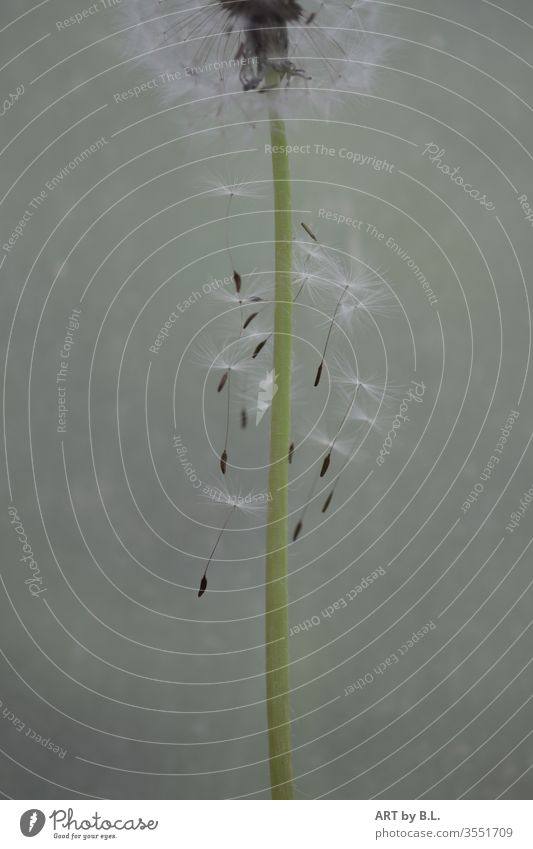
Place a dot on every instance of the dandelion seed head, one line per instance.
(229, 48)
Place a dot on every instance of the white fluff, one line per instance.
(197, 50)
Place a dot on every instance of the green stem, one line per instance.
(276, 612)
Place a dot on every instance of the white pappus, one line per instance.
(230, 46)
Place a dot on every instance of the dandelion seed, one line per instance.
(327, 459)
(220, 494)
(226, 378)
(313, 271)
(224, 455)
(224, 461)
(249, 320)
(231, 359)
(354, 285)
(325, 464)
(244, 417)
(291, 452)
(203, 582)
(352, 387)
(331, 325)
(327, 502)
(259, 348)
(232, 189)
(309, 231)
(223, 381)
(344, 448)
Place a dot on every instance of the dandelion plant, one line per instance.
(257, 62)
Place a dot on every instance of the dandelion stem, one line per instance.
(276, 601)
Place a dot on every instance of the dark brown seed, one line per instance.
(319, 373)
(237, 281)
(249, 320)
(291, 452)
(255, 299)
(325, 464)
(259, 348)
(310, 18)
(327, 502)
(223, 461)
(309, 232)
(244, 418)
(297, 530)
(222, 381)
(203, 587)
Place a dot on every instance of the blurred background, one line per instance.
(117, 681)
